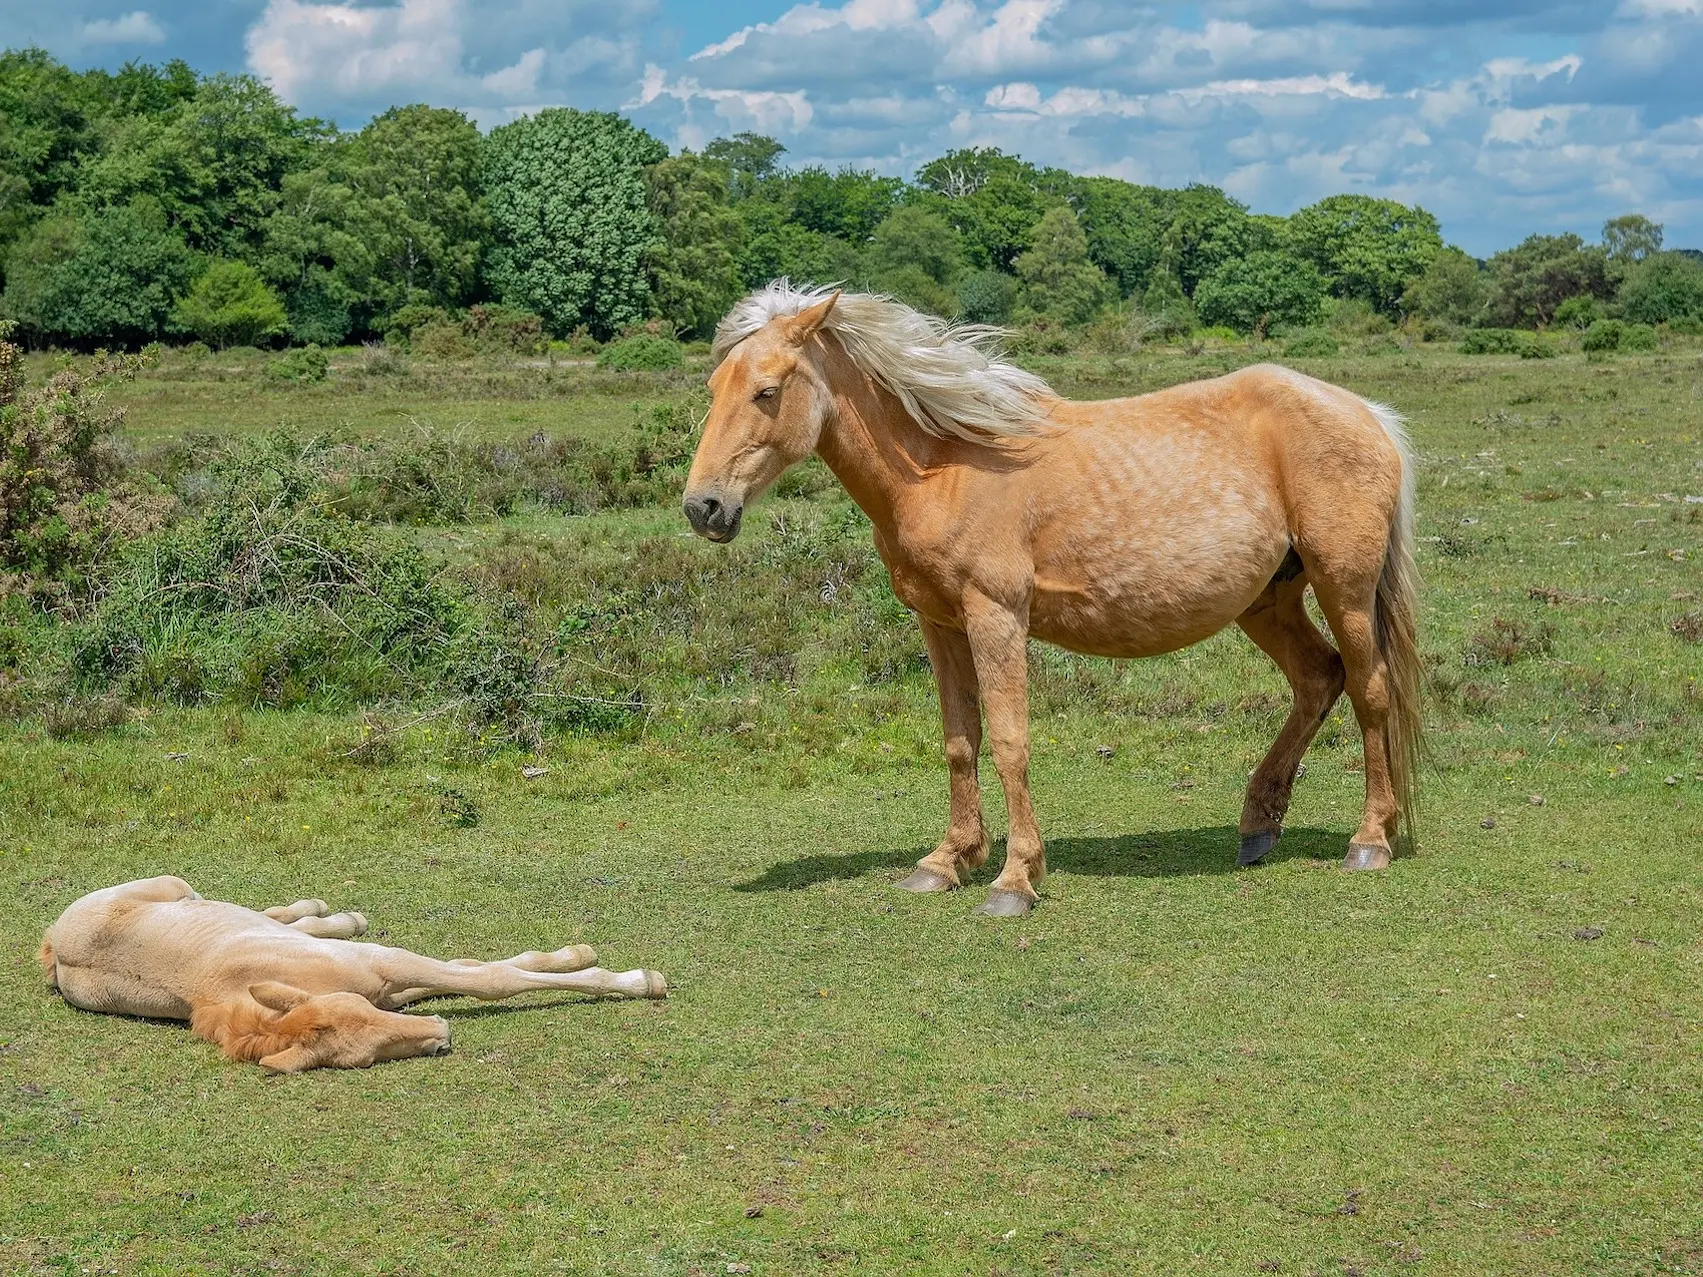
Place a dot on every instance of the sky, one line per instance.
(1502, 117)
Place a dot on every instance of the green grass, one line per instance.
(1169, 1068)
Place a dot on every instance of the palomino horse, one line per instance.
(1126, 527)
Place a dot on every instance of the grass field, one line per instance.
(1482, 1061)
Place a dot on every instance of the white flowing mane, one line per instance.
(950, 377)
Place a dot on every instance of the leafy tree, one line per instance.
(1364, 247)
(1059, 279)
(986, 297)
(1261, 290)
(917, 238)
(1662, 288)
(1207, 230)
(313, 252)
(230, 305)
(415, 171)
(1453, 289)
(572, 218)
(995, 201)
(693, 268)
(774, 246)
(92, 278)
(748, 157)
(1540, 273)
(1126, 226)
(849, 204)
(1632, 238)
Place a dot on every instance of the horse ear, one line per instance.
(806, 322)
(277, 997)
(292, 1059)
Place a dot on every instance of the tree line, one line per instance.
(154, 202)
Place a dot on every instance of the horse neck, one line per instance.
(874, 446)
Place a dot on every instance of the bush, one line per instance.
(1507, 341)
(300, 364)
(1662, 288)
(230, 305)
(642, 352)
(64, 497)
(1313, 343)
(1612, 334)
(1578, 313)
(1685, 326)
(986, 297)
(506, 329)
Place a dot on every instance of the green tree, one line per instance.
(1261, 290)
(45, 127)
(995, 201)
(313, 252)
(693, 267)
(773, 246)
(1541, 272)
(230, 305)
(98, 277)
(415, 172)
(849, 204)
(1059, 280)
(1632, 238)
(1453, 289)
(1126, 226)
(749, 158)
(918, 238)
(1207, 230)
(1366, 248)
(1662, 288)
(572, 218)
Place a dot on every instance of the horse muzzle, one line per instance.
(712, 518)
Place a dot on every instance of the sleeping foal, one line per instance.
(285, 988)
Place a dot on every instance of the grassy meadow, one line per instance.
(1482, 1061)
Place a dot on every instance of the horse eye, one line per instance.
(768, 392)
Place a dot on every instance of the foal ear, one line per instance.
(806, 322)
(292, 1059)
(277, 997)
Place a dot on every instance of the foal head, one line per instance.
(769, 403)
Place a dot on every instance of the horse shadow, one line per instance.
(1158, 853)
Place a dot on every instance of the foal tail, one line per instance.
(1395, 629)
(49, 963)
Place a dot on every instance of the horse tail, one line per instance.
(1396, 629)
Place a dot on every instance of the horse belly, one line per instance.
(1139, 586)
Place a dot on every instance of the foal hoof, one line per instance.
(1005, 904)
(1362, 856)
(656, 985)
(1256, 846)
(923, 881)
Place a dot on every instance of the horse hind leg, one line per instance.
(289, 915)
(1278, 623)
(336, 926)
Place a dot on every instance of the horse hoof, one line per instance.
(1362, 856)
(1256, 846)
(923, 881)
(656, 985)
(1005, 904)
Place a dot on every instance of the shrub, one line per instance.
(505, 328)
(1663, 287)
(300, 364)
(1262, 289)
(1507, 341)
(403, 322)
(1685, 326)
(1578, 312)
(1314, 343)
(230, 305)
(641, 353)
(64, 497)
(986, 297)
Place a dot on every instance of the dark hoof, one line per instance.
(1256, 846)
(1361, 856)
(1005, 904)
(925, 880)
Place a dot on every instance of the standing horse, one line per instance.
(1125, 527)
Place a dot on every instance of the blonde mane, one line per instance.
(950, 377)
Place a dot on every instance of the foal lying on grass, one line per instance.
(286, 987)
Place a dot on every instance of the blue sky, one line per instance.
(1500, 117)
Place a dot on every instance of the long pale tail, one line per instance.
(1396, 630)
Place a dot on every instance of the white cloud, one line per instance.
(137, 27)
(361, 52)
(741, 109)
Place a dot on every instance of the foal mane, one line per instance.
(951, 377)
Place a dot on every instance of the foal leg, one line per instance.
(291, 914)
(1279, 624)
(999, 639)
(408, 977)
(336, 926)
(965, 846)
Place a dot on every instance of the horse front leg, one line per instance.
(965, 846)
(998, 640)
